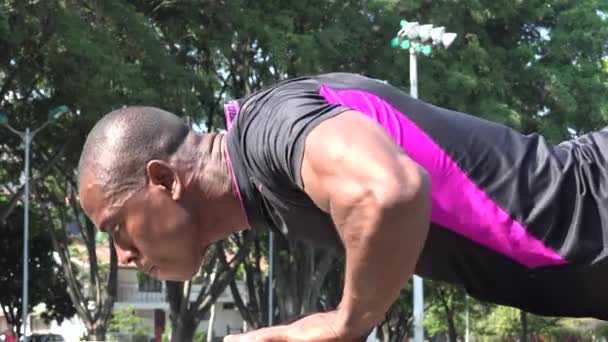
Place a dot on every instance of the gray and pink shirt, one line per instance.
(515, 220)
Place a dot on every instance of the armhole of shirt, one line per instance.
(300, 144)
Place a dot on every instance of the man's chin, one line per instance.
(164, 276)
(173, 278)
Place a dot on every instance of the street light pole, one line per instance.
(270, 279)
(467, 334)
(26, 137)
(413, 72)
(419, 39)
(418, 284)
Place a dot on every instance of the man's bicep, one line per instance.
(349, 156)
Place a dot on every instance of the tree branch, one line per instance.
(12, 204)
(222, 279)
(318, 278)
(238, 300)
(185, 299)
(108, 305)
(74, 292)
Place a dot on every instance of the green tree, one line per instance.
(535, 65)
(446, 312)
(126, 323)
(399, 319)
(91, 284)
(253, 273)
(46, 285)
(506, 322)
(93, 57)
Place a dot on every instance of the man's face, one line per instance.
(150, 228)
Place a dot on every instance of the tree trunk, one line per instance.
(300, 275)
(254, 312)
(452, 333)
(96, 320)
(524, 326)
(449, 316)
(184, 328)
(186, 314)
(98, 334)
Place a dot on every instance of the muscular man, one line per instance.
(352, 163)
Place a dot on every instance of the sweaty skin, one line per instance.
(379, 201)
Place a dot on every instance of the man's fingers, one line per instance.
(245, 337)
(240, 337)
(258, 338)
(263, 335)
(230, 338)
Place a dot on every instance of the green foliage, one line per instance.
(505, 322)
(77, 252)
(101, 238)
(200, 336)
(46, 285)
(444, 300)
(167, 333)
(512, 61)
(399, 318)
(4, 25)
(126, 321)
(490, 322)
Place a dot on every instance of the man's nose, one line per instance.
(126, 256)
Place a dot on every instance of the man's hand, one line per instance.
(322, 327)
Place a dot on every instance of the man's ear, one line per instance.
(162, 174)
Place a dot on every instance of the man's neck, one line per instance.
(218, 186)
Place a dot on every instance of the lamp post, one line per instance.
(27, 136)
(467, 334)
(270, 280)
(420, 39)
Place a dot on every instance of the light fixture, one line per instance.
(448, 39)
(425, 32)
(57, 112)
(437, 34)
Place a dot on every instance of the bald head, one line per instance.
(121, 144)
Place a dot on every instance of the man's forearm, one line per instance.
(382, 248)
